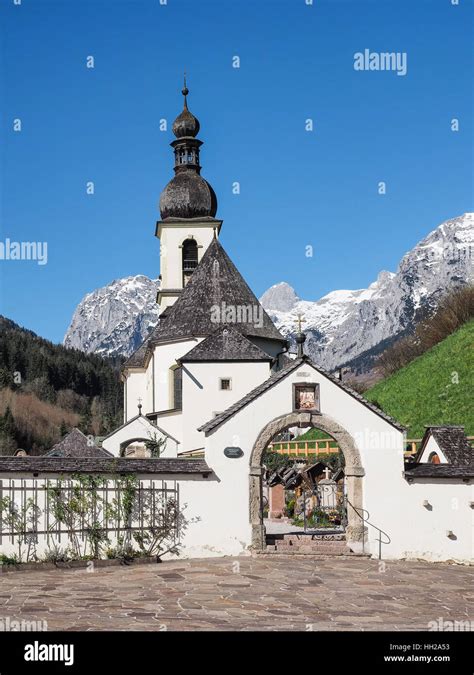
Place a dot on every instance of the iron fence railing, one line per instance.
(28, 508)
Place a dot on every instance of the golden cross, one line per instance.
(298, 320)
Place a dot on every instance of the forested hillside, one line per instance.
(45, 389)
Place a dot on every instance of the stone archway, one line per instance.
(354, 472)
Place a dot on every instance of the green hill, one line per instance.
(435, 388)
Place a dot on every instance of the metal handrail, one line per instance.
(365, 519)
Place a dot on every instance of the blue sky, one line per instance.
(298, 188)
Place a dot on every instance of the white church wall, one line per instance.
(429, 511)
(203, 398)
(165, 358)
(172, 423)
(136, 387)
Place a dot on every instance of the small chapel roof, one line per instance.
(76, 444)
(452, 442)
(226, 344)
(454, 445)
(280, 375)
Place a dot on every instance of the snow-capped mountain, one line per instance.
(344, 324)
(340, 326)
(115, 319)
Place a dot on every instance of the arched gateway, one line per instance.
(300, 395)
(354, 472)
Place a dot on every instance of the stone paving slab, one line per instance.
(243, 594)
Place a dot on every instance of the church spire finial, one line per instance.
(300, 337)
(185, 92)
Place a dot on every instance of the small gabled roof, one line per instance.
(76, 444)
(146, 419)
(280, 375)
(452, 442)
(226, 344)
(215, 282)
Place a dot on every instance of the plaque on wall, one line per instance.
(233, 453)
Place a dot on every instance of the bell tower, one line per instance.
(188, 206)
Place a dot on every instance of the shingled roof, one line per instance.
(454, 445)
(226, 344)
(76, 444)
(429, 470)
(215, 282)
(105, 465)
(139, 357)
(452, 442)
(277, 377)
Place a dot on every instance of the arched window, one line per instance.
(190, 259)
(434, 458)
(177, 387)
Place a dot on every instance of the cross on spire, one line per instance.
(299, 319)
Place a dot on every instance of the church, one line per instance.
(214, 342)
(214, 383)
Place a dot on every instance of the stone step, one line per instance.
(310, 544)
(309, 547)
(271, 551)
(315, 537)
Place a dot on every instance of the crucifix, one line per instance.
(299, 319)
(326, 473)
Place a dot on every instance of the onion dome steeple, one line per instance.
(187, 195)
(186, 124)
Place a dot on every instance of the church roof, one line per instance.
(76, 444)
(226, 344)
(188, 195)
(277, 377)
(139, 357)
(216, 284)
(216, 294)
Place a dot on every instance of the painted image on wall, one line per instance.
(306, 397)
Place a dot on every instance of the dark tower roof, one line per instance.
(216, 285)
(187, 195)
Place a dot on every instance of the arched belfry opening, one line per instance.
(354, 472)
(190, 259)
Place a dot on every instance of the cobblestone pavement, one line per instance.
(243, 594)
